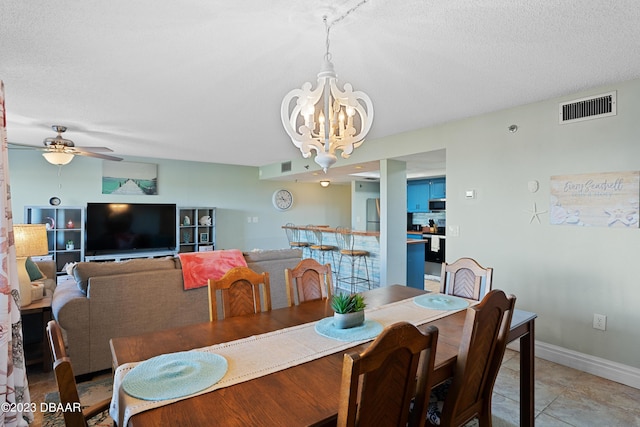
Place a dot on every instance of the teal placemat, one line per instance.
(441, 302)
(174, 375)
(368, 330)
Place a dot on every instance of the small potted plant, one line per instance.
(348, 310)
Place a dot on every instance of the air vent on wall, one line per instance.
(593, 107)
(285, 167)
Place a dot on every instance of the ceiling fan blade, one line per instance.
(15, 145)
(94, 149)
(96, 155)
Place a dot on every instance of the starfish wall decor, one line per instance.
(535, 214)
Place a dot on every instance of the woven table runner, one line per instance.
(248, 358)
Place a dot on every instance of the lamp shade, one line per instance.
(58, 158)
(30, 239)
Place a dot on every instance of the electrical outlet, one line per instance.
(599, 321)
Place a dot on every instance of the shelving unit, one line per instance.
(65, 225)
(194, 236)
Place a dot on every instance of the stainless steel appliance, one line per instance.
(373, 214)
(437, 205)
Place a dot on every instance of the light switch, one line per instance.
(470, 194)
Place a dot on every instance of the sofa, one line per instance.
(104, 300)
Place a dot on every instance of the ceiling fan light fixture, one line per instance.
(58, 158)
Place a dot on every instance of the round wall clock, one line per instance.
(54, 201)
(282, 199)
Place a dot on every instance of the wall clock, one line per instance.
(54, 201)
(282, 199)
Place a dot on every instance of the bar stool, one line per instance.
(346, 241)
(314, 237)
(293, 236)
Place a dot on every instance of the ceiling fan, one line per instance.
(60, 151)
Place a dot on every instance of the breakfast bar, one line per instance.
(364, 240)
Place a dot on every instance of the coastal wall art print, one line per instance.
(129, 178)
(608, 199)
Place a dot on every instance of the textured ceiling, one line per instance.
(203, 79)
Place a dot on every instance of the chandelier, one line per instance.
(327, 119)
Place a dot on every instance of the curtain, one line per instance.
(16, 408)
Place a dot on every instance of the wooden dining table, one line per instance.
(305, 394)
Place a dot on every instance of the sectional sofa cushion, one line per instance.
(83, 271)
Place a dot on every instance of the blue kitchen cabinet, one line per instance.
(418, 196)
(438, 188)
(415, 261)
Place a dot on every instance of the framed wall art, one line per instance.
(129, 178)
(608, 199)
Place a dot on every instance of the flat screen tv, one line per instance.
(130, 227)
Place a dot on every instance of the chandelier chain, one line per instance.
(335, 21)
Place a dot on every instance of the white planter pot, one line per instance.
(348, 320)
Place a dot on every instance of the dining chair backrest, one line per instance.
(242, 290)
(308, 281)
(67, 387)
(484, 339)
(379, 384)
(466, 278)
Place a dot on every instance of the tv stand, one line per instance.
(132, 255)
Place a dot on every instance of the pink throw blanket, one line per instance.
(199, 267)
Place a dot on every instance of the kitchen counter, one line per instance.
(442, 236)
(420, 234)
(328, 229)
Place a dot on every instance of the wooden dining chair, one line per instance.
(380, 385)
(67, 388)
(466, 278)
(484, 339)
(242, 291)
(308, 281)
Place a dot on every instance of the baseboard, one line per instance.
(613, 371)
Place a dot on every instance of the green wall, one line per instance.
(565, 274)
(235, 191)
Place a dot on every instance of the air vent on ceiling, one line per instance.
(285, 167)
(593, 107)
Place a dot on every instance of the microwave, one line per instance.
(437, 205)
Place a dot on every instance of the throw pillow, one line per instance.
(68, 268)
(32, 270)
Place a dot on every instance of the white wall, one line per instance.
(236, 191)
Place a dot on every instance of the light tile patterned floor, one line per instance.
(564, 397)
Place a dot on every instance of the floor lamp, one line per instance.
(30, 240)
